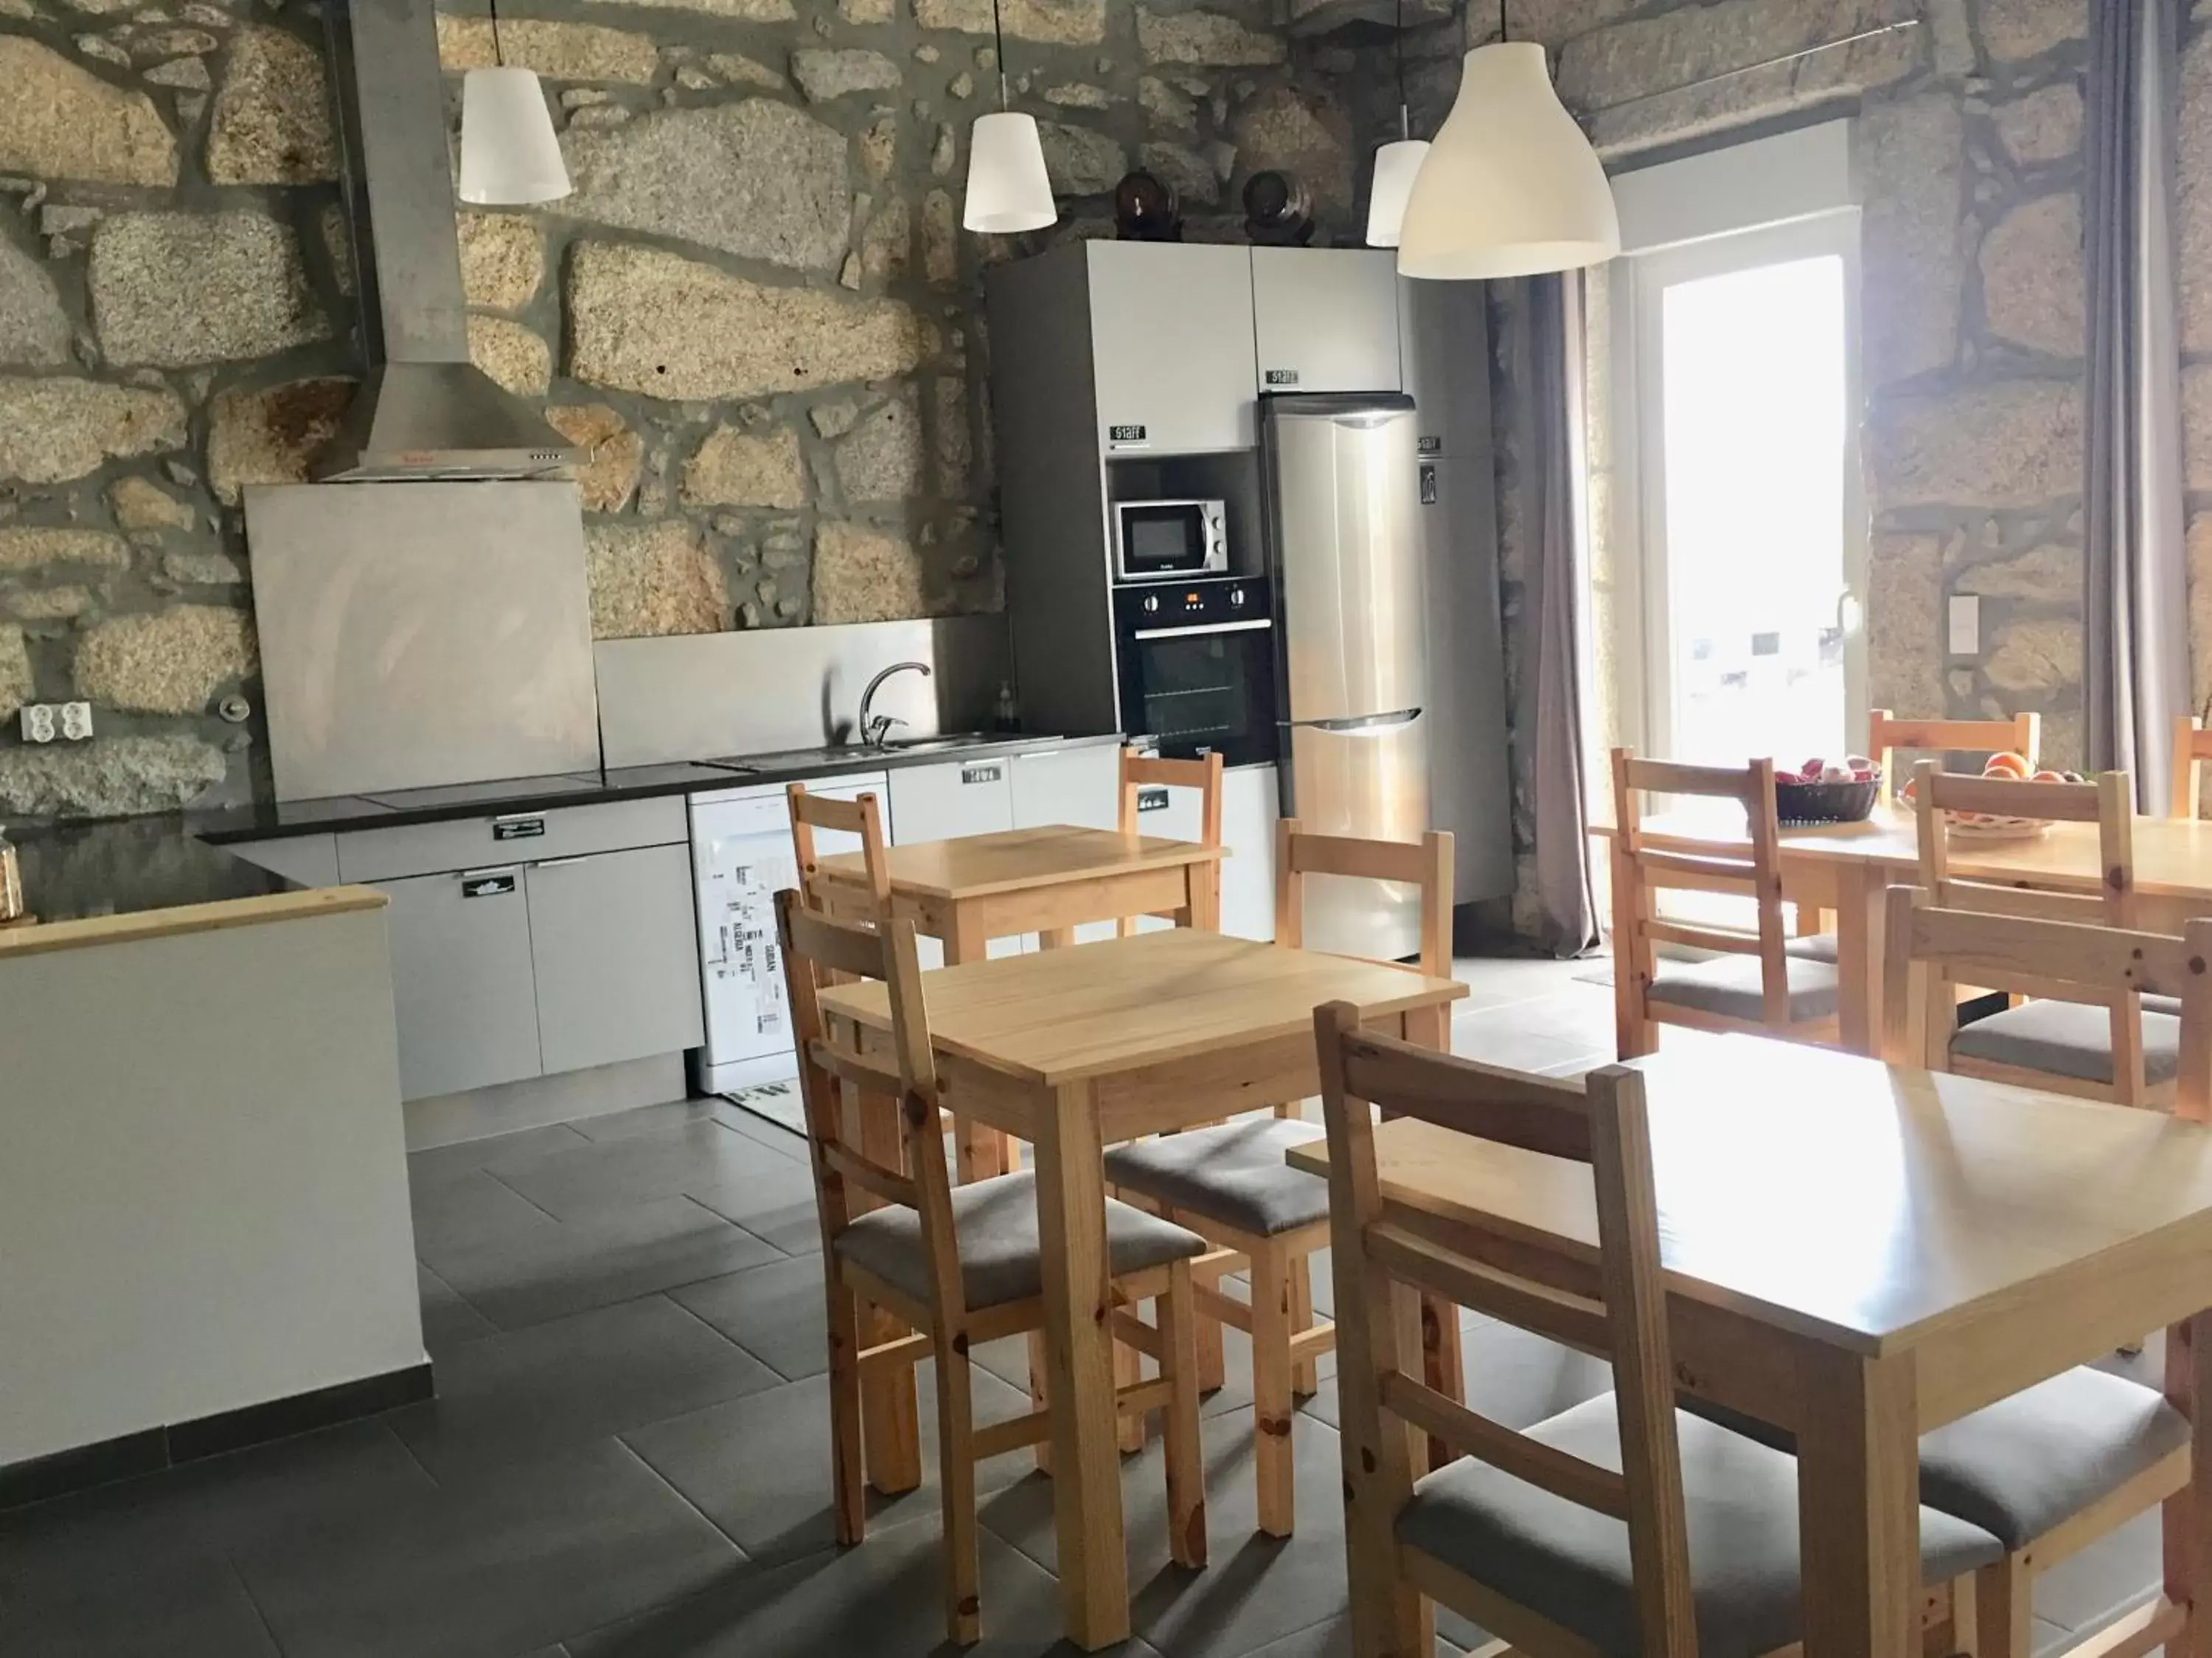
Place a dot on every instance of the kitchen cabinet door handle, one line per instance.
(520, 826)
(491, 883)
(561, 863)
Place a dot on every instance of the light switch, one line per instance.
(1966, 626)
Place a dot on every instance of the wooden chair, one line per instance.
(2192, 746)
(1621, 1529)
(1755, 983)
(962, 1266)
(1140, 771)
(2102, 1045)
(2022, 735)
(1230, 1184)
(2053, 1469)
(980, 1152)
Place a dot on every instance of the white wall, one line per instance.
(203, 1187)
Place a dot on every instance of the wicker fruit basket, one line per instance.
(1807, 805)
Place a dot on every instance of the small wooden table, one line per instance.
(1860, 1254)
(1847, 867)
(1045, 881)
(1077, 1049)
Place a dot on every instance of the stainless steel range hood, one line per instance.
(424, 411)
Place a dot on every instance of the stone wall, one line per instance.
(756, 314)
(1969, 143)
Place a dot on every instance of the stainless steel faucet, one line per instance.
(874, 727)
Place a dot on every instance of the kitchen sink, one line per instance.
(857, 754)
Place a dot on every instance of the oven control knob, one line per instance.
(1152, 602)
(1237, 597)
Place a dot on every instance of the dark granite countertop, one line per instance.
(125, 866)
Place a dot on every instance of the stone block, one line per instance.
(140, 505)
(881, 460)
(1081, 162)
(644, 320)
(272, 434)
(559, 52)
(172, 661)
(35, 549)
(2048, 575)
(511, 354)
(209, 570)
(246, 295)
(613, 455)
(34, 330)
(1166, 105)
(108, 776)
(886, 246)
(60, 604)
(2193, 195)
(1911, 155)
(2200, 610)
(864, 575)
(1655, 54)
(654, 580)
(757, 178)
(60, 122)
(2045, 125)
(1301, 133)
(941, 240)
(271, 120)
(823, 74)
(1184, 170)
(1204, 37)
(1905, 618)
(2009, 443)
(739, 71)
(2016, 29)
(16, 683)
(1058, 23)
(502, 259)
(2040, 656)
(743, 11)
(2034, 285)
(2197, 426)
(741, 469)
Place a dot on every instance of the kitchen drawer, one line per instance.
(421, 849)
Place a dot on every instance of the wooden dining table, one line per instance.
(1075, 1049)
(1844, 869)
(1860, 1252)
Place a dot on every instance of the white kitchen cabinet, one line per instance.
(1251, 805)
(1171, 347)
(463, 983)
(615, 956)
(1080, 786)
(941, 803)
(1326, 318)
(311, 860)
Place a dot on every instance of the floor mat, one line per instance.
(779, 1103)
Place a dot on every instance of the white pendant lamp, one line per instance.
(1008, 189)
(509, 156)
(1395, 164)
(1511, 186)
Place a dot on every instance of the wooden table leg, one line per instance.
(2187, 1522)
(890, 1412)
(1858, 1506)
(979, 1152)
(1094, 1567)
(1859, 891)
(1202, 895)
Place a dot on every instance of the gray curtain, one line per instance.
(1551, 714)
(2135, 679)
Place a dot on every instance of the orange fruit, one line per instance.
(2051, 776)
(2007, 765)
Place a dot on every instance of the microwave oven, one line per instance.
(1169, 540)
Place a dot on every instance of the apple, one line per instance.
(1836, 774)
(1812, 768)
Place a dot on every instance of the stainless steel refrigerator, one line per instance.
(1350, 563)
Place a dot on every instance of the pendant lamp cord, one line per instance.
(1398, 45)
(999, 46)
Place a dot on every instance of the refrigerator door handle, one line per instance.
(1362, 726)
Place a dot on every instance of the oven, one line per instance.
(1169, 540)
(1197, 668)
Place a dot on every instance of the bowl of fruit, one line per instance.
(1827, 791)
(2002, 826)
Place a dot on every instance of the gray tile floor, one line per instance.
(629, 1457)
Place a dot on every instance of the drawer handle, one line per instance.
(561, 863)
(518, 828)
(490, 883)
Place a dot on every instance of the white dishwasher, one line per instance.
(741, 857)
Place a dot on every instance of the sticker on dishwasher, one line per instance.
(1127, 438)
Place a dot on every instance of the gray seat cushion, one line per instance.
(1732, 985)
(1234, 1174)
(1820, 947)
(995, 1222)
(2067, 1039)
(1570, 1564)
(2018, 1468)
(2171, 1005)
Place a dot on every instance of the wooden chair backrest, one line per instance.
(2192, 746)
(1426, 863)
(1140, 771)
(2108, 803)
(1929, 950)
(1616, 1307)
(1646, 864)
(1886, 734)
(859, 816)
(819, 950)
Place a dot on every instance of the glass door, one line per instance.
(1753, 533)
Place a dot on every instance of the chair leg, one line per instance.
(2003, 1615)
(1128, 1371)
(955, 1457)
(1185, 1462)
(1273, 1406)
(1305, 1374)
(1964, 1628)
(1213, 1364)
(847, 1460)
(1040, 1367)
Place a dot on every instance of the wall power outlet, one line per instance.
(40, 724)
(45, 721)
